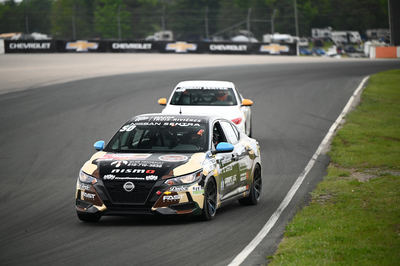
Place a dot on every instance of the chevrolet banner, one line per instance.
(140, 46)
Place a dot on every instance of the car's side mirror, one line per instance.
(99, 145)
(247, 102)
(162, 101)
(224, 147)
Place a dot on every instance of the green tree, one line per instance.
(71, 18)
(188, 18)
(145, 17)
(14, 17)
(111, 17)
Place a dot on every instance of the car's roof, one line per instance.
(210, 83)
(161, 117)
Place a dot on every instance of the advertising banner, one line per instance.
(275, 48)
(45, 46)
(228, 48)
(77, 46)
(132, 46)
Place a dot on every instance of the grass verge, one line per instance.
(354, 214)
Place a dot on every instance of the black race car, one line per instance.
(170, 165)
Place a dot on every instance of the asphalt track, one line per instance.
(47, 133)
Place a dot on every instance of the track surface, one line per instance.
(47, 134)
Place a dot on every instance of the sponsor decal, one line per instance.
(108, 177)
(129, 186)
(274, 48)
(141, 118)
(124, 156)
(208, 164)
(83, 186)
(242, 165)
(177, 189)
(166, 119)
(89, 196)
(229, 181)
(30, 46)
(182, 89)
(132, 171)
(226, 160)
(152, 164)
(151, 177)
(181, 124)
(132, 46)
(119, 163)
(82, 46)
(228, 47)
(198, 190)
(243, 176)
(113, 177)
(241, 189)
(128, 128)
(226, 169)
(168, 198)
(181, 47)
(162, 118)
(173, 158)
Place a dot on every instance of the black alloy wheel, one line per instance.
(256, 186)
(210, 200)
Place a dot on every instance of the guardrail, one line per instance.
(132, 46)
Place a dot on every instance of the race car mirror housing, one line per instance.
(247, 102)
(223, 147)
(162, 101)
(99, 145)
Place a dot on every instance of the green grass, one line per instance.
(354, 214)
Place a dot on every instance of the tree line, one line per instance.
(188, 19)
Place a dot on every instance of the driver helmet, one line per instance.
(221, 95)
(197, 137)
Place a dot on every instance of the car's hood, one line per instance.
(229, 112)
(142, 166)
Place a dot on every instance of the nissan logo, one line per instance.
(129, 186)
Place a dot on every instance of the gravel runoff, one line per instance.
(27, 71)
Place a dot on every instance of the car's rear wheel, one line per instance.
(210, 200)
(90, 218)
(255, 191)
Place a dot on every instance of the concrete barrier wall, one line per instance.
(132, 46)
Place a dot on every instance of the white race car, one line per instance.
(210, 97)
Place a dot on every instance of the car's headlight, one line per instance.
(85, 178)
(185, 179)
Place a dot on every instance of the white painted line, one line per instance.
(275, 216)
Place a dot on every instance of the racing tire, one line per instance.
(89, 218)
(255, 191)
(210, 201)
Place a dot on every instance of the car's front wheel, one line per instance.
(210, 200)
(255, 191)
(90, 218)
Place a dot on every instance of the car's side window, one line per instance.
(218, 134)
(232, 134)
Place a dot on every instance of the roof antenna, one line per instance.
(180, 110)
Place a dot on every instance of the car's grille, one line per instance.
(119, 209)
(137, 195)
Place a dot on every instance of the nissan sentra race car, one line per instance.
(170, 165)
(210, 97)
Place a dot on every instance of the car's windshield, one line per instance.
(203, 96)
(155, 137)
